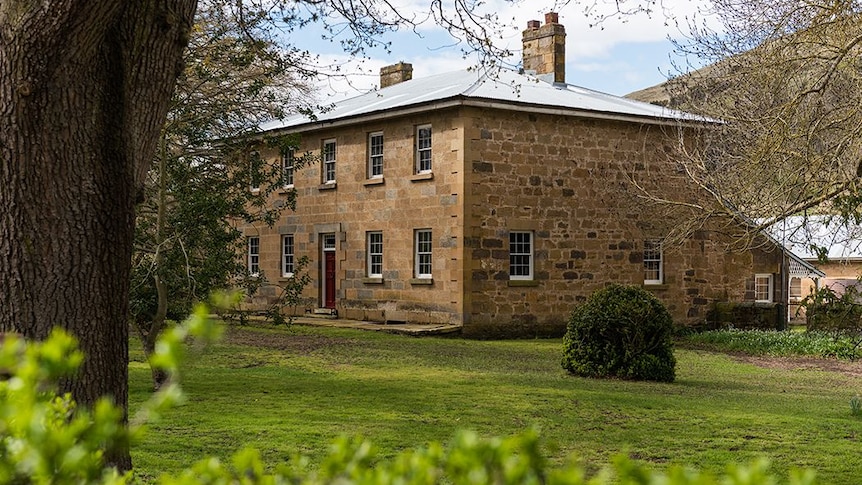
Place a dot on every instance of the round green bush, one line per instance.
(620, 331)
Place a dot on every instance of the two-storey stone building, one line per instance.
(496, 202)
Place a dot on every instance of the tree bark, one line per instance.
(84, 90)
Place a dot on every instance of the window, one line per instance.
(287, 255)
(520, 255)
(287, 164)
(254, 255)
(329, 161)
(795, 288)
(375, 155)
(329, 242)
(423, 254)
(423, 149)
(653, 271)
(255, 169)
(375, 254)
(763, 288)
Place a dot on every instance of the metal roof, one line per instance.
(503, 89)
(801, 234)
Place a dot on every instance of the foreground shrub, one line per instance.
(621, 331)
(46, 439)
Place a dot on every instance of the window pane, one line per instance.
(287, 168)
(329, 241)
(375, 155)
(423, 148)
(423, 253)
(520, 255)
(652, 261)
(375, 254)
(287, 254)
(795, 288)
(329, 161)
(254, 255)
(762, 288)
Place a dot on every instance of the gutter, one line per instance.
(463, 101)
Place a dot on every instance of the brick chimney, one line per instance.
(396, 73)
(545, 47)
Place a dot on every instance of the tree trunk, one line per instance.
(84, 89)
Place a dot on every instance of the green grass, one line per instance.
(305, 387)
(767, 342)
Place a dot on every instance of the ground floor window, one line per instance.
(521, 255)
(254, 255)
(287, 255)
(763, 288)
(423, 253)
(796, 288)
(375, 254)
(652, 262)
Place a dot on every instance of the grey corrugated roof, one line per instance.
(505, 86)
(842, 241)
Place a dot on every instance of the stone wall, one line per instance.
(572, 182)
(396, 204)
(575, 183)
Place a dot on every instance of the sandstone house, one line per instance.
(496, 202)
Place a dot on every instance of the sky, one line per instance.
(619, 56)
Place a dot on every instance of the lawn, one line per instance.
(294, 391)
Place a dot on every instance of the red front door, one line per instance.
(329, 279)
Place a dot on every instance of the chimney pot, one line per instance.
(545, 48)
(396, 73)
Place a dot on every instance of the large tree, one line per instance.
(84, 89)
(236, 76)
(784, 82)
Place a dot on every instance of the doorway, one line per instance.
(327, 283)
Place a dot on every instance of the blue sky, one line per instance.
(623, 55)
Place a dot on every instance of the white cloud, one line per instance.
(589, 49)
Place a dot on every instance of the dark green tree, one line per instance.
(186, 245)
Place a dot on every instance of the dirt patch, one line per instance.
(852, 369)
(300, 344)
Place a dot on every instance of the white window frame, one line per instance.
(329, 160)
(423, 149)
(375, 155)
(288, 250)
(769, 287)
(797, 294)
(653, 254)
(374, 251)
(287, 165)
(254, 171)
(422, 248)
(516, 251)
(253, 255)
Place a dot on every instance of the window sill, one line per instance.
(373, 181)
(286, 190)
(656, 286)
(254, 190)
(523, 283)
(286, 277)
(327, 186)
(372, 281)
(422, 176)
(422, 281)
